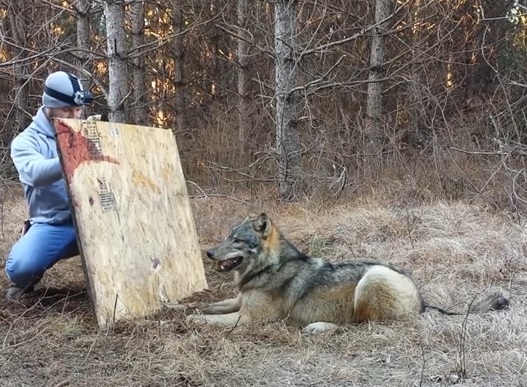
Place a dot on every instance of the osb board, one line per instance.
(135, 228)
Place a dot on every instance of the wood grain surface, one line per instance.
(136, 232)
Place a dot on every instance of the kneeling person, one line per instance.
(50, 234)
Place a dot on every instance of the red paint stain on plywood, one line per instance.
(75, 149)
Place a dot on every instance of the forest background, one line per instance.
(297, 99)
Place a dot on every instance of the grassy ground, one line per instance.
(455, 252)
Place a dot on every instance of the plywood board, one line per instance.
(136, 232)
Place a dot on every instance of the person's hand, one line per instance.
(95, 117)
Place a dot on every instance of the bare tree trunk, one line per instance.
(117, 69)
(413, 102)
(137, 22)
(287, 139)
(179, 62)
(374, 131)
(82, 8)
(244, 72)
(83, 32)
(18, 28)
(214, 37)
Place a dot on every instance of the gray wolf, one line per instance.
(276, 281)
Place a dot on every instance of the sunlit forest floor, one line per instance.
(454, 250)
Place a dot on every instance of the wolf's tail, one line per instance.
(494, 301)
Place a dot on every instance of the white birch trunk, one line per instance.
(287, 139)
(117, 68)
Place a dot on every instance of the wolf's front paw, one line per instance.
(197, 318)
(319, 327)
(183, 307)
(175, 306)
(178, 307)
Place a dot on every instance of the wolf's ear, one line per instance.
(262, 224)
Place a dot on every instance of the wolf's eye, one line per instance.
(251, 241)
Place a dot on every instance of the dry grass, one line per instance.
(455, 252)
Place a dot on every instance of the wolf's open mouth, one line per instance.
(229, 264)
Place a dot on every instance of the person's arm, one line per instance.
(32, 167)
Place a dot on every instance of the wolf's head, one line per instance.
(246, 243)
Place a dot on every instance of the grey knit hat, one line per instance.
(64, 90)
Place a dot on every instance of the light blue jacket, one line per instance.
(34, 153)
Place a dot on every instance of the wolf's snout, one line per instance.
(210, 253)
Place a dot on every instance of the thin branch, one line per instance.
(355, 36)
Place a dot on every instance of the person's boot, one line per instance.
(15, 292)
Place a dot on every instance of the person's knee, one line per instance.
(38, 250)
(22, 270)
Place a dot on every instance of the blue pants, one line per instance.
(38, 250)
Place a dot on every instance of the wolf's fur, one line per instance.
(276, 281)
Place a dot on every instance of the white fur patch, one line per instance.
(319, 327)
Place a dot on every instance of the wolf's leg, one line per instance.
(230, 319)
(226, 306)
(319, 327)
(221, 307)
